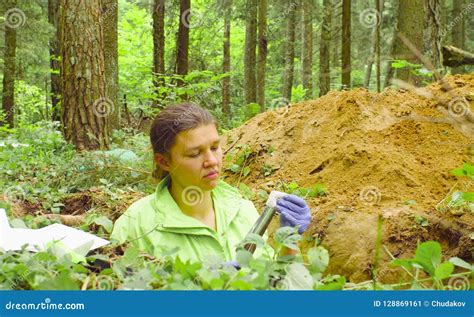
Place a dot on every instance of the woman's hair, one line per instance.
(169, 122)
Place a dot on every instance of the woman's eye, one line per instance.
(215, 148)
(194, 154)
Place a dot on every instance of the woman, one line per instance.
(192, 209)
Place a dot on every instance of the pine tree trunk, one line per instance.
(346, 44)
(457, 30)
(374, 56)
(262, 52)
(110, 25)
(9, 70)
(158, 48)
(183, 40)
(307, 48)
(250, 52)
(324, 49)
(289, 52)
(226, 59)
(432, 35)
(83, 82)
(54, 63)
(410, 25)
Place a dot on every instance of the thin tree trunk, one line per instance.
(289, 52)
(183, 41)
(226, 59)
(9, 71)
(158, 48)
(250, 52)
(346, 44)
(410, 25)
(110, 24)
(457, 30)
(375, 51)
(432, 36)
(307, 48)
(83, 82)
(54, 63)
(324, 49)
(262, 52)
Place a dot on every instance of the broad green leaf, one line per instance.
(318, 259)
(444, 270)
(428, 255)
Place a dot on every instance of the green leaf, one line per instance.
(241, 285)
(461, 263)
(104, 222)
(444, 270)
(403, 263)
(335, 283)
(298, 277)
(63, 281)
(318, 259)
(428, 255)
(469, 196)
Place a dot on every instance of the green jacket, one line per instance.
(155, 224)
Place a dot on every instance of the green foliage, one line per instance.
(428, 258)
(293, 188)
(459, 201)
(466, 171)
(415, 69)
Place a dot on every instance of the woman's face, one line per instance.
(196, 158)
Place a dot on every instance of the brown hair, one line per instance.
(169, 122)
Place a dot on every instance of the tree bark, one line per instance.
(374, 56)
(110, 24)
(346, 44)
(410, 25)
(83, 82)
(54, 54)
(183, 40)
(9, 71)
(158, 48)
(289, 51)
(457, 30)
(262, 52)
(324, 49)
(307, 48)
(226, 60)
(250, 52)
(432, 34)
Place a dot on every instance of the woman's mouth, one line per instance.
(211, 175)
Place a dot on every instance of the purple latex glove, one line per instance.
(233, 263)
(293, 212)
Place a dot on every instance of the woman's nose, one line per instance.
(210, 159)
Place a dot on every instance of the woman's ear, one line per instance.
(163, 162)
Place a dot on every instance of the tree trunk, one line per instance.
(324, 49)
(183, 40)
(54, 63)
(250, 54)
(410, 25)
(9, 70)
(289, 51)
(457, 30)
(432, 35)
(262, 52)
(226, 59)
(158, 48)
(374, 56)
(110, 24)
(307, 48)
(455, 57)
(346, 44)
(83, 82)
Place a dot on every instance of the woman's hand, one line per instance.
(294, 212)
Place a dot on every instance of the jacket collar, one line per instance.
(227, 201)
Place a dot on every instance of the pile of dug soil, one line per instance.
(385, 155)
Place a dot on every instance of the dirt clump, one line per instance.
(385, 155)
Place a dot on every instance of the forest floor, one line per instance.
(381, 155)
